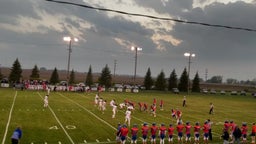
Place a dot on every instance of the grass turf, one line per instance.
(72, 117)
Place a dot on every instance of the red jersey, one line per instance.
(170, 130)
(206, 128)
(232, 126)
(244, 129)
(145, 106)
(154, 130)
(188, 127)
(154, 101)
(226, 126)
(254, 129)
(161, 102)
(144, 130)
(153, 108)
(178, 114)
(124, 131)
(134, 131)
(180, 128)
(197, 129)
(162, 130)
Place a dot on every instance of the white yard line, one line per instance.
(9, 119)
(70, 139)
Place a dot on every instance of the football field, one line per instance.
(72, 117)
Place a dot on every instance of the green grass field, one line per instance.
(72, 117)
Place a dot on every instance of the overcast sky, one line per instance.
(33, 31)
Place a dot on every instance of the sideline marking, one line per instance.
(9, 118)
(58, 121)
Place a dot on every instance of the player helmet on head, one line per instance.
(170, 125)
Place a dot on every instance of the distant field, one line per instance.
(72, 117)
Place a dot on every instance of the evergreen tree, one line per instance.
(160, 81)
(16, 72)
(183, 84)
(148, 81)
(1, 75)
(35, 73)
(173, 80)
(195, 85)
(105, 78)
(54, 77)
(89, 78)
(72, 77)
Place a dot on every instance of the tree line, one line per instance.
(159, 83)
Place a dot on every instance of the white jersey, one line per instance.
(112, 102)
(96, 99)
(122, 105)
(46, 101)
(128, 117)
(104, 105)
(128, 114)
(114, 108)
(48, 90)
(130, 107)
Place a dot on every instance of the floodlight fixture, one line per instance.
(189, 55)
(69, 39)
(136, 49)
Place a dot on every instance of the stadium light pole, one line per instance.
(136, 49)
(189, 55)
(70, 40)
